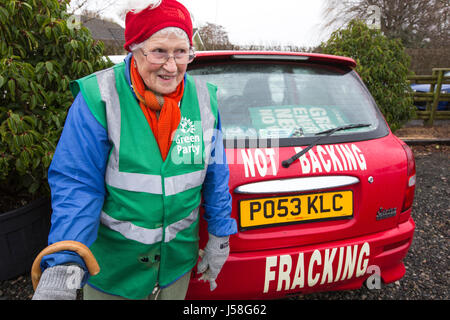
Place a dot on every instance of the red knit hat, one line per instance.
(142, 25)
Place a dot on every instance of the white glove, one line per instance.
(215, 254)
(59, 283)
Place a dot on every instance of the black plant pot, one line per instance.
(23, 234)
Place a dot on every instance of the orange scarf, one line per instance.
(169, 117)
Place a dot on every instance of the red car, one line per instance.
(322, 190)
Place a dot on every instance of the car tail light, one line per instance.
(411, 179)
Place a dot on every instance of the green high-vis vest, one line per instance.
(148, 232)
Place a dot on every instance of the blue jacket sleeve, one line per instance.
(216, 194)
(76, 179)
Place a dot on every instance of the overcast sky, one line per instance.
(262, 21)
(281, 22)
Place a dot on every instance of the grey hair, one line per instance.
(179, 33)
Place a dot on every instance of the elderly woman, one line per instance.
(139, 150)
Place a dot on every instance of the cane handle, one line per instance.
(69, 245)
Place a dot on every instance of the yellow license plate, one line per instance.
(294, 209)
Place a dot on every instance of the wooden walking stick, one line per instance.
(69, 245)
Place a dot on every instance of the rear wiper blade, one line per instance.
(322, 134)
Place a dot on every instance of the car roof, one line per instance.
(274, 55)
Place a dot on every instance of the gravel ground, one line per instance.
(427, 275)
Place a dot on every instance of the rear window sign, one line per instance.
(310, 119)
(327, 158)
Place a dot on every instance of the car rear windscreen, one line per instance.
(288, 100)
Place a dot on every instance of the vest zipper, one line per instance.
(156, 290)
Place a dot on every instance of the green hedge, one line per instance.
(383, 66)
(41, 51)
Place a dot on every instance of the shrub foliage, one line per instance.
(41, 51)
(383, 66)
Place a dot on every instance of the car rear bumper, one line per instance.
(337, 265)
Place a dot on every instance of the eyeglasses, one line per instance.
(161, 57)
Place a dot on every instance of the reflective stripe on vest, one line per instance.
(138, 182)
(144, 235)
(131, 231)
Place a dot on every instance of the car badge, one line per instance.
(386, 213)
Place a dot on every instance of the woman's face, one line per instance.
(162, 78)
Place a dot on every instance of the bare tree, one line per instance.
(82, 7)
(214, 37)
(418, 23)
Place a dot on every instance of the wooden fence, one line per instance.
(433, 96)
